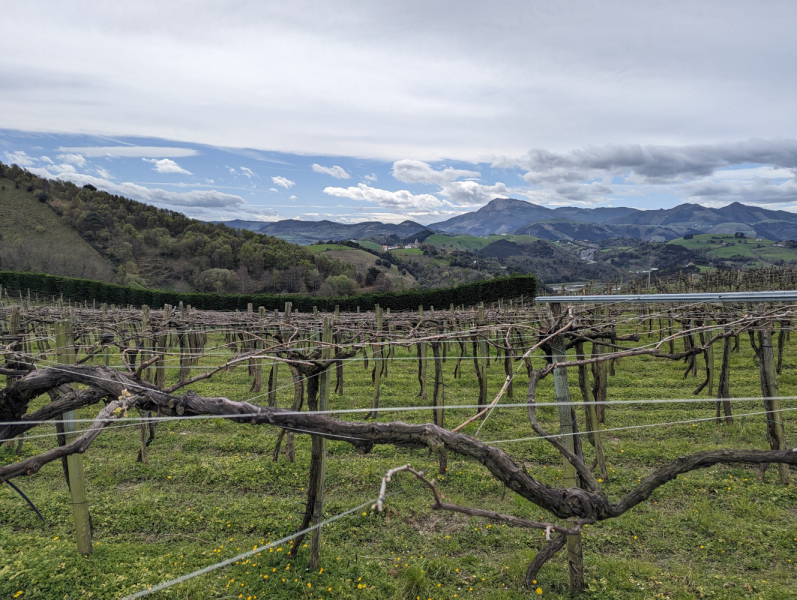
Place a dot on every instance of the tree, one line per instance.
(218, 281)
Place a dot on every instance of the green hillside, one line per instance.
(34, 238)
(472, 242)
(747, 252)
(58, 228)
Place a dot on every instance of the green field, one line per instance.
(471, 242)
(370, 245)
(42, 239)
(315, 248)
(759, 252)
(211, 491)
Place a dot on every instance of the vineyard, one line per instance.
(506, 449)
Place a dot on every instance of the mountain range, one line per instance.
(568, 223)
(309, 232)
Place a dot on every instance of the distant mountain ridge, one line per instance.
(568, 223)
(309, 232)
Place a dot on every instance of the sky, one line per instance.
(389, 111)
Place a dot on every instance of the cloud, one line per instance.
(293, 198)
(248, 172)
(370, 178)
(130, 151)
(336, 171)
(416, 171)
(66, 168)
(19, 158)
(759, 191)
(73, 159)
(401, 199)
(471, 192)
(157, 196)
(366, 214)
(375, 80)
(649, 163)
(283, 182)
(166, 165)
(46, 159)
(104, 174)
(273, 190)
(570, 194)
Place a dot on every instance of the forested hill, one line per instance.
(59, 228)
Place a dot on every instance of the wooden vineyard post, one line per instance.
(146, 334)
(710, 365)
(377, 364)
(591, 413)
(163, 340)
(421, 360)
(772, 402)
(320, 443)
(438, 412)
(257, 364)
(66, 355)
(724, 384)
(482, 358)
(567, 427)
(273, 374)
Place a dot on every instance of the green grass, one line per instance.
(49, 244)
(370, 245)
(471, 242)
(315, 248)
(759, 253)
(211, 490)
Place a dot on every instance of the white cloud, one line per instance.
(759, 191)
(166, 165)
(66, 168)
(572, 194)
(248, 172)
(416, 171)
(19, 158)
(129, 151)
(377, 80)
(335, 171)
(46, 159)
(283, 182)
(649, 163)
(273, 190)
(193, 199)
(366, 214)
(471, 192)
(104, 174)
(370, 178)
(750, 173)
(73, 159)
(293, 198)
(401, 199)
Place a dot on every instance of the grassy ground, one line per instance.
(45, 242)
(211, 491)
(472, 242)
(324, 247)
(759, 251)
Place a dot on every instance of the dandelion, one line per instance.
(539, 591)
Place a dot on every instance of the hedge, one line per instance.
(79, 290)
